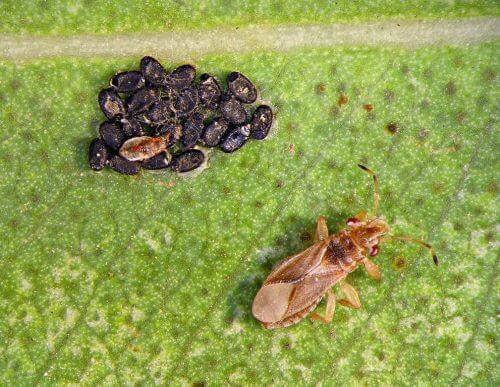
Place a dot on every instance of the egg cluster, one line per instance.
(157, 119)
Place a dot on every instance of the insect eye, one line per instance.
(352, 221)
(374, 250)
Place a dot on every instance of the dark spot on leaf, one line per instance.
(259, 204)
(342, 100)
(305, 237)
(399, 263)
(451, 343)
(13, 223)
(392, 128)
(428, 72)
(286, 344)
(34, 198)
(450, 88)
(380, 355)
(342, 87)
(15, 84)
(320, 88)
(492, 187)
(490, 236)
(389, 95)
(291, 127)
(27, 135)
(44, 155)
(425, 104)
(279, 183)
(405, 69)
(422, 134)
(368, 107)
(437, 187)
(458, 61)
(482, 101)
(461, 117)
(334, 111)
(488, 75)
(332, 164)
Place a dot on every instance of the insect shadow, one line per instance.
(298, 236)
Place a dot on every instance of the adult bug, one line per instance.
(298, 283)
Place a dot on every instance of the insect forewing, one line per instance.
(297, 266)
(312, 287)
(296, 284)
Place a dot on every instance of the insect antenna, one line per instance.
(376, 194)
(418, 241)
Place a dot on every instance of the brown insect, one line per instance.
(142, 148)
(298, 283)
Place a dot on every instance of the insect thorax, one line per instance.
(343, 251)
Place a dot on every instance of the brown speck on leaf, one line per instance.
(458, 62)
(461, 117)
(305, 237)
(342, 100)
(342, 87)
(368, 107)
(291, 149)
(488, 74)
(334, 111)
(437, 187)
(422, 134)
(279, 184)
(450, 88)
(15, 84)
(320, 88)
(492, 187)
(482, 100)
(291, 127)
(111, 275)
(13, 223)
(392, 128)
(389, 95)
(425, 104)
(399, 263)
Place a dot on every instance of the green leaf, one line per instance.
(114, 279)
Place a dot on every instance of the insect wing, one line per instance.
(277, 302)
(295, 284)
(313, 287)
(297, 266)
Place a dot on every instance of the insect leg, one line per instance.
(410, 239)
(351, 299)
(330, 309)
(371, 268)
(321, 229)
(376, 197)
